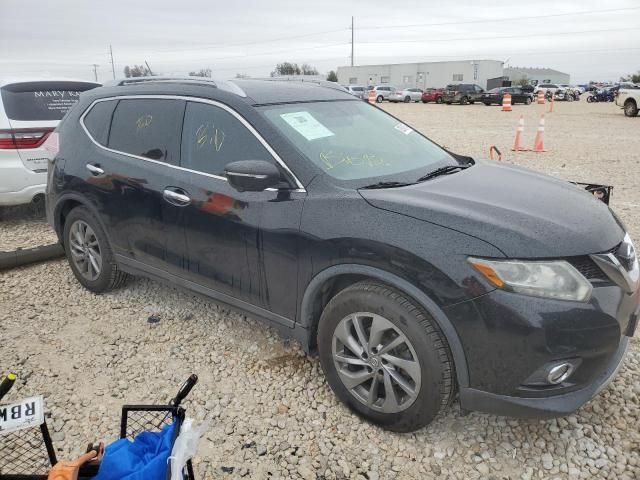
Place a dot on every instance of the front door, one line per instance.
(242, 245)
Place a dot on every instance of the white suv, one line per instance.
(29, 111)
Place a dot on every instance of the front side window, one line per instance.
(148, 128)
(352, 141)
(213, 137)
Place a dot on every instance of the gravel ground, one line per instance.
(272, 414)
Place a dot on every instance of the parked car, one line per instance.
(29, 111)
(432, 95)
(415, 273)
(359, 91)
(382, 92)
(496, 95)
(547, 88)
(406, 95)
(628, 98)
(462, 93)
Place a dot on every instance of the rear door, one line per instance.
(33, 110)
(135, 180)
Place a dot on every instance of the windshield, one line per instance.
(352, 140)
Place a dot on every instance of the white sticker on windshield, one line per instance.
(401, 127)
(306, 125)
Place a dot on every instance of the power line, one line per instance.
(523, 36)
(492, 20)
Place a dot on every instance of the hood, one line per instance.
(523, 213)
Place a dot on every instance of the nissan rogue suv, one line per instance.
(462, 93)
(29, 111)
(414, 272)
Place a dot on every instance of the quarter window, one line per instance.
(212, 138)
(98, 121)
(148, 128)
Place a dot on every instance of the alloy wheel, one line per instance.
(376, 362)
(85, 250)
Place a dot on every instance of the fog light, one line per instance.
(560, 373)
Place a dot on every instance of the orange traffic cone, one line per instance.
(551, 103)
(540, 97)
(538, 144)
(506, 102)
(517, 146)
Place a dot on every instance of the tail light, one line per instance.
(52, 145)
(22, 138)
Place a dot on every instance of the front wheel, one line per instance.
(527, 101)
(439, 100)
(630, 109)
(89, 253)
(385, 357)
(407, 99)
(590, 99)
(464, 101)
(379, 99)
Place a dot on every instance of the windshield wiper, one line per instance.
(443, 171)
(387, 185)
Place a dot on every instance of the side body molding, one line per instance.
(314, 288)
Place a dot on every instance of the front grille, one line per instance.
(587, 268)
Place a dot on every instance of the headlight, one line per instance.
(550, 279)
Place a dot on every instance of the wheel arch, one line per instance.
(332, 280)
(65, 204)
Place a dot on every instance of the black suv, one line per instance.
(414, 272)
(462, 93)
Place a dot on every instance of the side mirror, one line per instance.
(252, 175)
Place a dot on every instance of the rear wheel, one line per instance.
(464, 101)
(439, 100)
(630, 108)
(527, 101)
(89, 253)
(379, 99)
(385, 357)
(407, 99)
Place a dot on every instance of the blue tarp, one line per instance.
(143, 459)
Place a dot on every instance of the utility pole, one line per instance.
(95, 71)
(148, 68)
(352, 40)
(113, 68)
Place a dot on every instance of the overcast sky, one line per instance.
(65, 37)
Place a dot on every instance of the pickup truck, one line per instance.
(628, 98)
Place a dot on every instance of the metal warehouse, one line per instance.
(536, 75)
(423, 74)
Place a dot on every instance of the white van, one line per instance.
(29, 111)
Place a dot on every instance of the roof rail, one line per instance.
(154, 79)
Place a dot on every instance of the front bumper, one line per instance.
(545, 407)
(508, 338)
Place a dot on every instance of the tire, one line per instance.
(108, 276)
(464, 101)
(471, 102)
(590, 99)
(424, 101)
(527, 101)
(422, 347)
(449, 103)
(569, 98)
(379, 99)
(407, 99)
(630, 108)
(439, 100)
(487, 104)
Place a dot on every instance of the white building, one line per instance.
(536, 75)
(422, 75)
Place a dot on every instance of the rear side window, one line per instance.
(212, 138)
(45, 101)
(148, 128)
(98, 120)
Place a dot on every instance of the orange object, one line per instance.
(540, 97)
(506, 102)
(551, 103)
(492, 149)
(372, 96)
(69, 470)
(489, 274)
(517, 145)
(538, 144)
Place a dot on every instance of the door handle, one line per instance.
(178, 198)
(94, 169)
